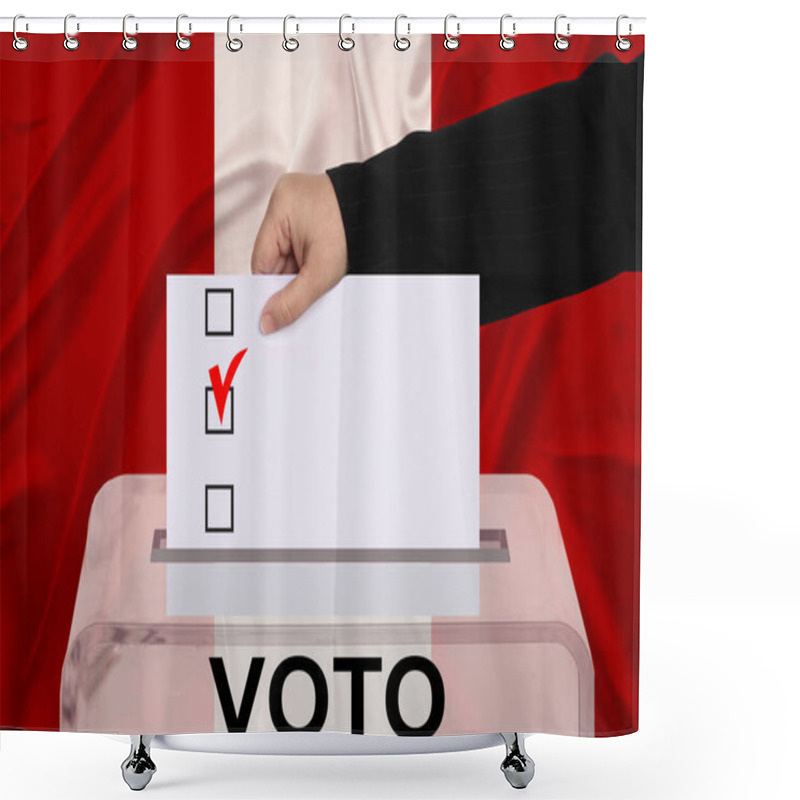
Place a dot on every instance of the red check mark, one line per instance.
(220, 388)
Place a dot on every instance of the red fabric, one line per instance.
(107, 170)
(560, 386)
(107, 173)
(479, 74)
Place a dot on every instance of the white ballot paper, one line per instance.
(355, 427)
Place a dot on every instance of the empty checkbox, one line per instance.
(213, 423)
(219, 508)
(219, 312)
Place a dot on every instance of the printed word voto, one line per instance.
(238, 720)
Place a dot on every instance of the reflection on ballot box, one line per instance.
(374, 674)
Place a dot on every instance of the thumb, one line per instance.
(285, 306)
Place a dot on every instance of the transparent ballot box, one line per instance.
(137, 663)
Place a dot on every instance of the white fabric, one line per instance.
(304, 111)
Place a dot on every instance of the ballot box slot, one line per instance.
(493, 548)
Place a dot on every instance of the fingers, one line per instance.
(272, 250)
(285, 306)
(302, 232)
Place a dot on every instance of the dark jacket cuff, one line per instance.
(348, 183)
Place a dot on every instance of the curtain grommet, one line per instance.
(233, 44)
(290, 44)
(182, 42)
(19, 43)
(70, 42)
(346, 43)
(451, 42)
(622, 44)
(401, 43)
(507, 42)
(561, 43)
(128, 42)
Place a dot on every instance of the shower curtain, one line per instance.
(394, 492)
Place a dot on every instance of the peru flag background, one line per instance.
(121, 167)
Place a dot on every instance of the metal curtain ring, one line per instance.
(70, 42)
(623, 44)
(401, 42)
(18, 42)
(128, 42)
(290, 44)
(181, 42)
(233, 44)
(507, 42)
(451, 42)
(560, 42)
(345, 42)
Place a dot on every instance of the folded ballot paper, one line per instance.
(309, 471)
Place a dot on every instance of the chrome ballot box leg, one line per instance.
(517, 766)
(138, 768)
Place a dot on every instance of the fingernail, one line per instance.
(268, 323)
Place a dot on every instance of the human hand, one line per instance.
(302, 232)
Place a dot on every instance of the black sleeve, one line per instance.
(539, 195)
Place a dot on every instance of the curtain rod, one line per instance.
(407, 25)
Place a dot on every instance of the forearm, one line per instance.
(538, 195)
